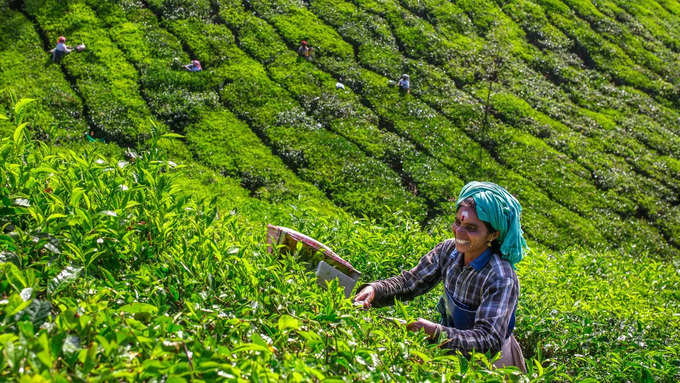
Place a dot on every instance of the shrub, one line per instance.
(107, 82)
(59, 115)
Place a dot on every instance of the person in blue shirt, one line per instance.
(60, 50)
(195, 66)
(404, 84)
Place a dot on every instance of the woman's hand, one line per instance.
(365, 297)
(430, 328)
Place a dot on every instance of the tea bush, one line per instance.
(183, 100)
(332, 163)
(140, 269)
(59, 115)
(649, 17)
(173, 94)
(608, 57)
(342, 111)
(585, 119)
(107, 82)
(119, 270)
(661, 62)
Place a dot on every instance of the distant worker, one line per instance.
(305, 50)
(195, 66)
(404, 84)
(60, 50)
(91, 138)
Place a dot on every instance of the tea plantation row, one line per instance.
(117, 270)
(512, 148)
(182, 103)
(413, 162)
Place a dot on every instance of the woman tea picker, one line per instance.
(480, 285)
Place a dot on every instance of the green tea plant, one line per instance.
(342, 111)
(189, 104)
(106, 81)
(332, 163)
(130, 278)
(59, 115)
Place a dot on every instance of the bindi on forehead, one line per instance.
(467, 215)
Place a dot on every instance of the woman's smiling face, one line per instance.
(472, 236)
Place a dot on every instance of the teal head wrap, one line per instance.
(499, 208)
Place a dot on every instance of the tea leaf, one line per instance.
(139, 308)
(19, 133)
(21, 105)
(287, 322)
(38, 311)
(66, 276)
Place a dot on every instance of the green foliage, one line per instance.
(341, 111)
(143, 282)
(181, 99)
(108, 83)
(59, 114)
(598, 325)
(351, 178)
(582, 129)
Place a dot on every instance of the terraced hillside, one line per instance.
(572, 105)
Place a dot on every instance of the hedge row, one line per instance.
(612, 174)
(573, 173)
(588, 88)
(635, 116)
(538, 171)
(341, 111)
(59, 114)
(604, 55)
(352, 179)
(188, 103)
(173, 94)
(625, 132)
(107, 82)
(647, 52)
(657, 18)
(411, 118)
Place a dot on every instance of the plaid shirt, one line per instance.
(487, 283)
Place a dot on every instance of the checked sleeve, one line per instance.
(411, 283)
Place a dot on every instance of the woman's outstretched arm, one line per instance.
(410, 283)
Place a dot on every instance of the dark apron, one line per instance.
(461, 316)
(57, 55)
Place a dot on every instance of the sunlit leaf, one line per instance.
(288, 322)
(22, 104)
(138, 307)
(19, 133)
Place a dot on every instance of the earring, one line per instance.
(488, 243)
